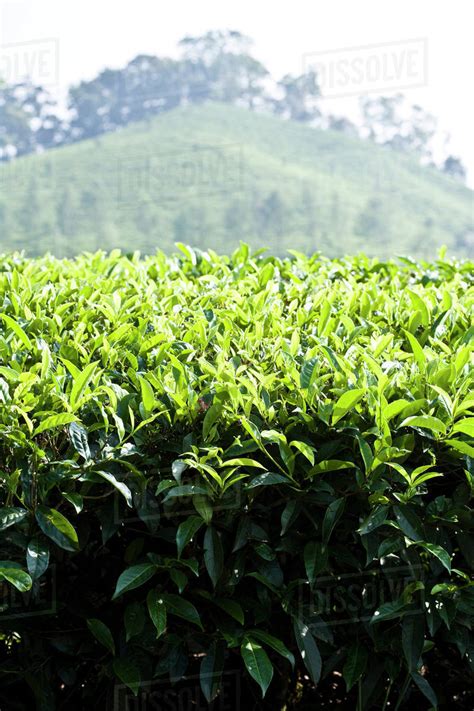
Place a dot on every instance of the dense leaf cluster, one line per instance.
(234, 465)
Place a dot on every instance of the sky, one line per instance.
(423, 48)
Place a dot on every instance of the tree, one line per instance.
(209, 47)
(28, 120)
(343, 125)
(453, 167)
(16, 133)
(299, 98)
(151, 85)
(222, 61)
(380, 117)
(389, 121)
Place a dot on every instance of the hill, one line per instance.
(212, 175)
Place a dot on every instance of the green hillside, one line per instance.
(213, 175)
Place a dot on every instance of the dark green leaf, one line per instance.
(180, 607)
(273, 643)
(308, 649)
(134, 577)
(157, 611)
(355, 665)
(315, 559)
(425, 688)
(37, 557)
(409, 523)
(186, 532)
(102, 634)
(439, 552)
(128, 673)
(211, 670)
(267, 479)
(134, 618)
(257, 663)
(213, 554)
(375, 519)
(413, 639)
(333, 513)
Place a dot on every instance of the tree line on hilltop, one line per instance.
(217, 66)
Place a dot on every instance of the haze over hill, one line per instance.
(214, 174)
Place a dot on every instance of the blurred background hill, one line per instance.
(209, 149)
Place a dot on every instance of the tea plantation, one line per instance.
(236, 477)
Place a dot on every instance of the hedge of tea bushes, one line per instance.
(240, 465)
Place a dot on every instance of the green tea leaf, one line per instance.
(355, 665)
(10, 515)
(81, 383)
(307, 372)
(148, 396)
(119, 485)
(333, 513)
(54, 421)
(272, 642)
(186, 532)
(425, 688)
(37, 557)
(18, 578)
(466, 426)
(267, 479)
(257, 663)
(17, 330)
(57, 527)
(213, 554)
(212, 666)
(157, 611)
(409, 523)
(102, 634)
(133, 577)
(426, 422)
(439, 552)
(128, 673)
(308, 649)
(78, 435)
(347, 402)
(315, 559)
(177, 605)
(376, 518)
(413, 640)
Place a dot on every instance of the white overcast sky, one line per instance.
(93, 34)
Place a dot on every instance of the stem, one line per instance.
(403, 691)
(359, 695)
(385, 701)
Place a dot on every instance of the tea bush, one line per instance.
(243, 465)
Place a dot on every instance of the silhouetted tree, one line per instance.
(453, 167)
